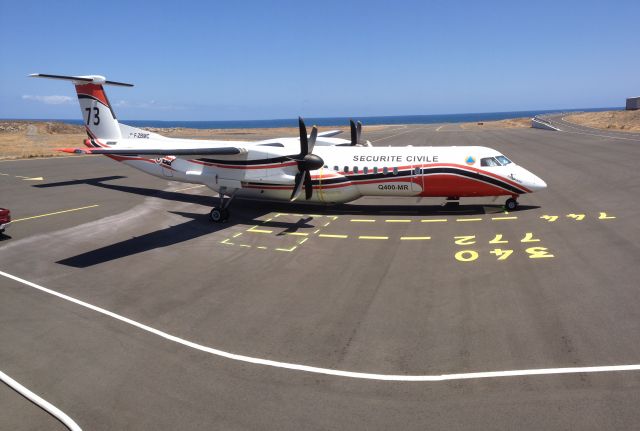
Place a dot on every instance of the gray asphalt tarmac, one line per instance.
(354, 288)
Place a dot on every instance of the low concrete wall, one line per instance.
(539, 123)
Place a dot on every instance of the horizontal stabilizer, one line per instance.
(84, 79)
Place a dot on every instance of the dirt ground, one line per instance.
(27, 139)
(627, 121)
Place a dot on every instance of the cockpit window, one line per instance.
(503, 160)
(489, 161)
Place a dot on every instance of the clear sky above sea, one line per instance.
(222, 60)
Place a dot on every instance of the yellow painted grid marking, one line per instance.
(372, 237)
(469, 219)
(414, 238)
(54, 213)
(327, 235)
(360, 220)
(505, 218)
(434, 220)
(398, 221)
(255, 230)
(297, 233)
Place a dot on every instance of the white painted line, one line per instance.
(41, 402)
(188, 188)
(438, 129)
(328, 371)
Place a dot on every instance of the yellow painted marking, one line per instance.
(416, 238)
(465, 240)
(226, 241)
(314, 215)
(469, 219)
(245, 245)
(538, 252)
(237, 235)
(529, 238)
(397, 221)
(54, 213)
(360, 220)
(267, 220)
(278, 215)
(434, 220)
(3, 174)
(501, 254)
(297, 233)
(326, 235)
(327, 224)
(302, 241)
(253, 229)
(505, 218)
(604, 216)
(438, 129)
(189, 188)
(549, 218)
(287, 249)
(578, 217)
(466, 255)
(498, 240)
(30, 179)
(316, 231)
(372, 237)
(334, 217)
(262, 247)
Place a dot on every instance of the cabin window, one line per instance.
(385, 170)
(503, 160)
(355, 169)
(489, 161)
(365, 170)
(375, 169)
(335, 168)
(395, 170)
(346, 169)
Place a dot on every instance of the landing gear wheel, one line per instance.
(217, 215)
(511, 204)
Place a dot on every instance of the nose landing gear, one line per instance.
(511, 204)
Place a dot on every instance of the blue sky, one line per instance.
(279, 59)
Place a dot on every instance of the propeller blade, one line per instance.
(308, 186)
(304, 143)
(297, 185)
(354, 133)
(359, 130)
(312, 139)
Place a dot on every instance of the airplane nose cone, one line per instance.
(536, 183)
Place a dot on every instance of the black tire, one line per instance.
(216, 215)
(511, 204)
(225, 214)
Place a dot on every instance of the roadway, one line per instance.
(384, 287)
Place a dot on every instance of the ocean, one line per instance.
(344, 121)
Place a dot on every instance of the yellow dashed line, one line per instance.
(326, 235)
(245, 245)
(434, 220)
(262, 247)
(287, 249)
(302, 241)
(327, 224)
(397, 221)
(372, 237)
(297, 233)
(54, 213)
(505, 218)
(237, 235)
(316, 231)
(415, 238)
(469, 219)
(254, 230)
(359, 220)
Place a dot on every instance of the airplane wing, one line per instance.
(329, 133)
(182, 151)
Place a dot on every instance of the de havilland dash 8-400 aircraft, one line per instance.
(321, 168)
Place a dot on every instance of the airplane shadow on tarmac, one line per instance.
(244, 212)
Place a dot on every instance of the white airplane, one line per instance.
(330, 170)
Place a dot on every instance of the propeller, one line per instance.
(356, 131)
(307, 162)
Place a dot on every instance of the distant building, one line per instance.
(633, 103)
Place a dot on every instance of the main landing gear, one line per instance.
(511, 204)
(221, 213)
